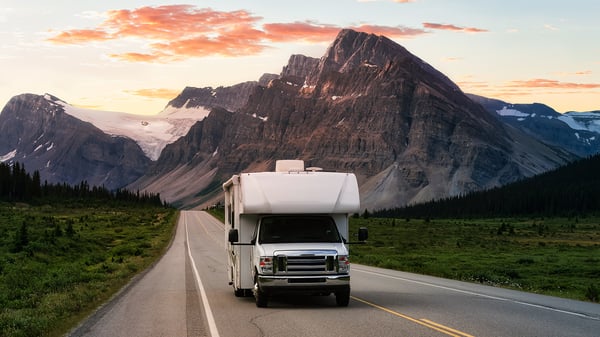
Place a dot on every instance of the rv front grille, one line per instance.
(296, 263)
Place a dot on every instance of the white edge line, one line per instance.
(212, 325)
(479, 294)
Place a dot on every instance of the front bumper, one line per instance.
(319, 283)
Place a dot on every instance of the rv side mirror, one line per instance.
(234, 236)
(363, 234)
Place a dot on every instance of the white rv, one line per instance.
(287, 231)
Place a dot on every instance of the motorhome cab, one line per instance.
(287, 231)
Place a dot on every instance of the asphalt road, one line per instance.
(186, 294)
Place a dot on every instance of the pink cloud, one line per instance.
(155, 93)
(305, 31)
(77, 36)
(177, 32)
(397, 32)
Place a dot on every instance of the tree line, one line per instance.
(17, 185)
(573, 189)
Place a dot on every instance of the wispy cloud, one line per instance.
(546, 83)
(452, 59)
(78, 36)
(398, 32)
(155, 93)
(442, 26)
(176, 32)
(576, 73)
(303, 31)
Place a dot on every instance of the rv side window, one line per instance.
(297, 229)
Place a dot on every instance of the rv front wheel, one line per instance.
(342, 298)
(259, 296)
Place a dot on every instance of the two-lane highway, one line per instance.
(186, 294)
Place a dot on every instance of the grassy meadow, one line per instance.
(60, 262)
(553, 256)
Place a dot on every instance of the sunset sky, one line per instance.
(134, 56)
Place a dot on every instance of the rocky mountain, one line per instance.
(231, 98)
(70, 153)
(577, 132)
(367, 106)
(36, 131)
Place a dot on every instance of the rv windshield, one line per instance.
(298, 229)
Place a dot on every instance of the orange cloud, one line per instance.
(440, 26)
(473, 85)
(174, 21)
(306, 31)
(141, 57)
(311, 32)
(77, 36)
(176, 32)
(155, 93)
(544, 83)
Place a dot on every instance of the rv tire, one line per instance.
(261, 298)
(342, 298)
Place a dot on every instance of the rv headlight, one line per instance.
(343, 263)
(265, 265)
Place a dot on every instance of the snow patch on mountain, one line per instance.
(511, 112)
(588, 120)
(151, 132)
(572, 123)
(8, 156)
(583, 121)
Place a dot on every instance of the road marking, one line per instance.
(218, 241)
(212, 325)
(424, 322)
(539, 306)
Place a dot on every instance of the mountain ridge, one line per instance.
(37, 132)
(367, 106)
(407, 132)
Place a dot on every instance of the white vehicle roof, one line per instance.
(299, 192)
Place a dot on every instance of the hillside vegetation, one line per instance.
(64, 250)
(553, 256)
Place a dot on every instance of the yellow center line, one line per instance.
(446, 328)
(424, 322)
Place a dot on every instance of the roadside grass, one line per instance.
(552, 256)
(58, 263)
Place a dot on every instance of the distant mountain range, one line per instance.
(577, 132)
(367, 106)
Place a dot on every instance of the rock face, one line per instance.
(39, 134)
(230, 98)
(367, 106)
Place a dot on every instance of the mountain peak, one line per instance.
(352, 49)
